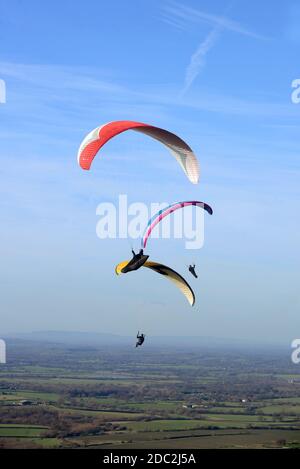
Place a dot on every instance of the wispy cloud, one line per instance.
(60, 77)
(197, 60)
(183, 17)
(50, 100)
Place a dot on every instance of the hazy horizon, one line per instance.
(110, 338)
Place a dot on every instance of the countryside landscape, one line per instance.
(65, 395)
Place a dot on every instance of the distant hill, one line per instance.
(102, 339)
(72, 337)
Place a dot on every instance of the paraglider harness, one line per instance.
(140, 339)
(137, 261)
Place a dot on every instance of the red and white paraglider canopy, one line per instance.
(178, 148)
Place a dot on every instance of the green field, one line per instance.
(215, 420)
(158, 399)
(281, 409)
(29, 395)
(20, 431)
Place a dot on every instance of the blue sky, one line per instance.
(218, 75)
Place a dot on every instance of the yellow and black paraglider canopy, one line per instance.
(169, 273)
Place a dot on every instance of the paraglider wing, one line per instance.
(119, 267)
(159, 216)
(102, 134)
(169, 273)
(174, 277)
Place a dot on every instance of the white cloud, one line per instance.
(182, 17)
(49, 109)
(185, 15)
(197, 60)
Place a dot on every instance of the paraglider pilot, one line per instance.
(140, 339)
(136, 262)
(137, 256)
(192, 270)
